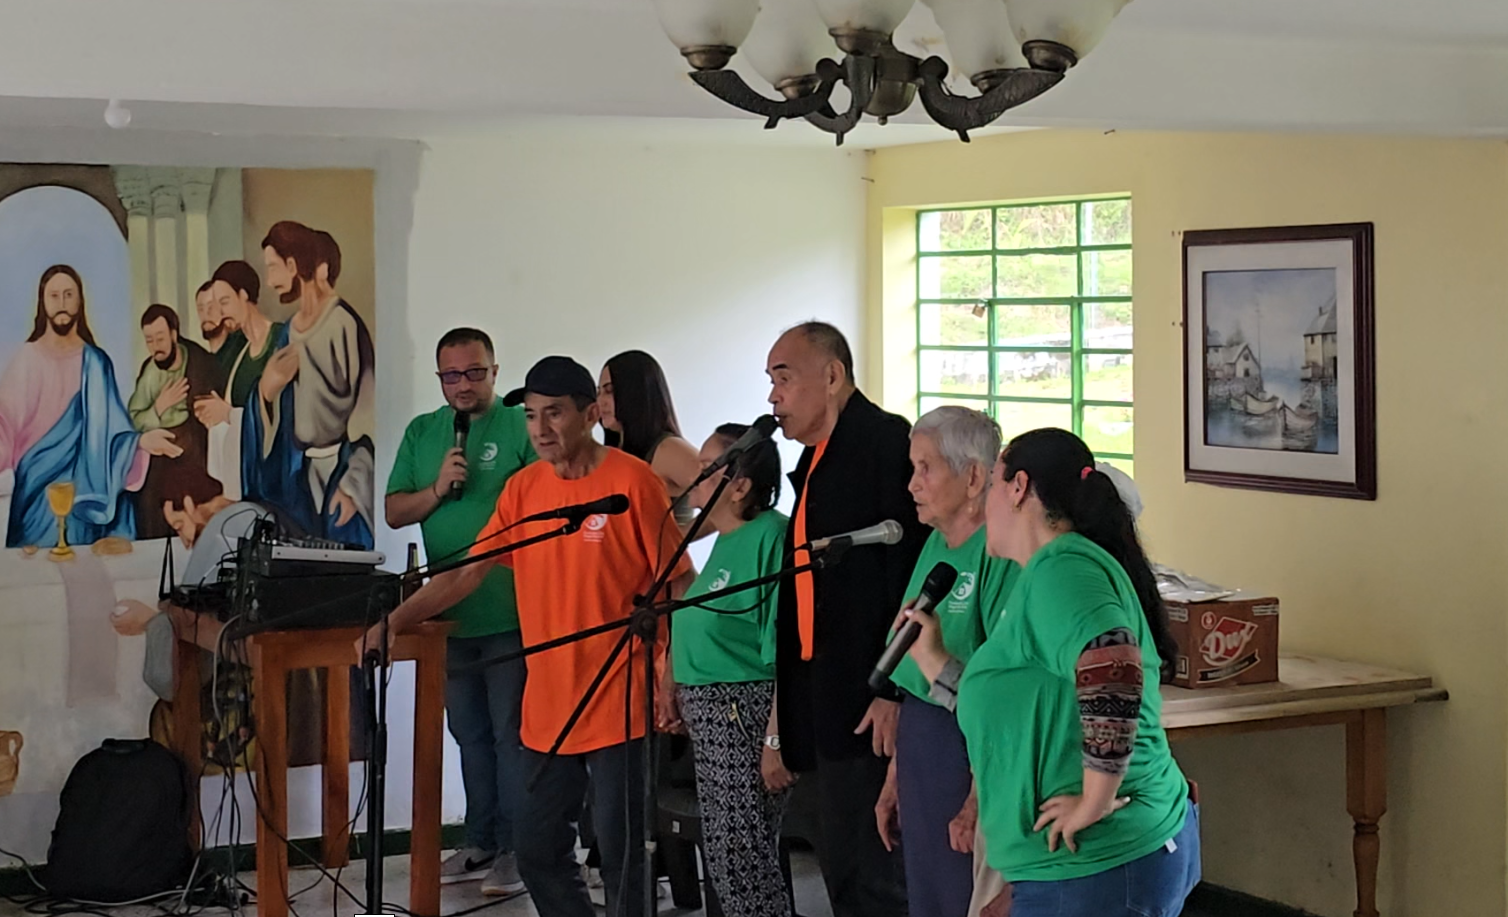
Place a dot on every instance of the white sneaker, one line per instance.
(595, 890)
(592, 876)
(503, 880)
(466, 865)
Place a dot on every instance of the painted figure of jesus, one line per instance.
(62, 420)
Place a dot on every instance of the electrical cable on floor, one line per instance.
(229, 886)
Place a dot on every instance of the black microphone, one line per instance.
(937, 585)
(463, 427)
(759, 431)
(887, 532)
(611, 505)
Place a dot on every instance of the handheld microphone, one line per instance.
(887, 532)
(463, 427)
(759, 431)
(611, 505)
(937, 585)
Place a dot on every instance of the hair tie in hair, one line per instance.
(1088, 470)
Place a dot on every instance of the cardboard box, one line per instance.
(1232, 641)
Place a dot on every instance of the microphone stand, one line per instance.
(374, 664)
(631, 628)
(821, 561)
(643, 623)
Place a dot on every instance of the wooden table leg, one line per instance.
(270, 682)
(1366, 799)
(188, 729)
(429, 725)
(336, 842)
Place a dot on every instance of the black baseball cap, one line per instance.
(554, 377)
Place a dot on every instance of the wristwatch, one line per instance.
(772, 743)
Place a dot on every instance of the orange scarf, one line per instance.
(806, 598)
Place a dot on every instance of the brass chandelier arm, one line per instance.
(731, 88)
(884, 83)
(1008, 89)
(859, 77)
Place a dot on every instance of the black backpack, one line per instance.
(123, 827)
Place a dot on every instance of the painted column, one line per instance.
(136, 196)
(167, 205)
(195, 186)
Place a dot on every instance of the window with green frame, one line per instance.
(1024, 311)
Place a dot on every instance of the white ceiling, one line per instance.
(421, 67)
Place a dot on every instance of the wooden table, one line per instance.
(1311, 691)
(273, 655)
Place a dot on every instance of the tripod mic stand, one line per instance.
(374, 666)
(374, 663)
(643, 624)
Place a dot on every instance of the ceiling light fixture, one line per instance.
(1011, 50)
(117, 115)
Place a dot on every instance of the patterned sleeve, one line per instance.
(1110, 690)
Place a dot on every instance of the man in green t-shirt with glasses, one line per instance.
(452, 493)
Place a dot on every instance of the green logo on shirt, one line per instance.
(721, 582)
(965, 587)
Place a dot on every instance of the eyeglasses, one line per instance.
(475, 374)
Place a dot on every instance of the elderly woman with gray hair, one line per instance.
(929, 787)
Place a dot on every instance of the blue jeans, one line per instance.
(484, 709)
(1153, 886)
(549, 813)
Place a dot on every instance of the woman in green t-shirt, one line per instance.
(1082, 807)
(929, 787)
(721, 674)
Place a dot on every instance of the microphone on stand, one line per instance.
(937, 585)
(611, 505)
(887, 532)
(463, 427)
(759, 431)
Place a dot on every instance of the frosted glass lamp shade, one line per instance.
(787, 41)
(978, 34)
(1075, 24)
(706, 31)
(880, 16)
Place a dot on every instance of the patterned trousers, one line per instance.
(740, 818)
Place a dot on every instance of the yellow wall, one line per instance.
(1416, 580)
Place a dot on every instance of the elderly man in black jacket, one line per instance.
(832, 624)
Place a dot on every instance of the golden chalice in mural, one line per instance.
(60, 500)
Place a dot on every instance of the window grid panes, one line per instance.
(1025, 310)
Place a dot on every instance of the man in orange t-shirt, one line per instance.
(565, 585)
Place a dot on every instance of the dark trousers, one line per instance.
(863, 879)
(484, 708)
(933, 779)
(545, 837)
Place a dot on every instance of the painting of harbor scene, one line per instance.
(1280, 389)
(1270, 360)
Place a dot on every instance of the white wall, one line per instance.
(566, 239)
(586, 241)
(580, 238)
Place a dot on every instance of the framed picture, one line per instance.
(1279, 384)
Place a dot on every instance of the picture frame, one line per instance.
(1279, 359)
